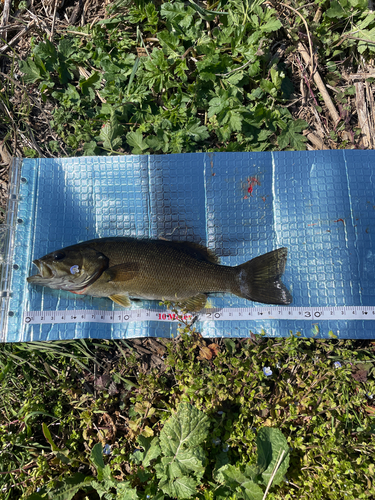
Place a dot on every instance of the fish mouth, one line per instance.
(45, 272)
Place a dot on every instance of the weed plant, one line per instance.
(57, 419)
(172, 77)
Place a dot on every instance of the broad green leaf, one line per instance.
(251, 491)
(271, 25)
(97, 456)
(336, 9)
(177, 14)
(67, 47)
(184, 462)
(170, 43)
(71, 485)
(271, 443)
(151, 449)
(229, 474)
(111, 134)
(48, 53)
(291, 135)
(235, 78)
(185, 429)
(197, 131)
(181, 487)
(235, 121)
(89, 82)
(125, 491)
(135, 141)
(217, 104)
(32, 71)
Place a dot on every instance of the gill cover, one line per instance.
(73, 268)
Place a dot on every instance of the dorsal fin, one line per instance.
(198, 251)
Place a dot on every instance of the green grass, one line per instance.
(58, 401)
(172, 77)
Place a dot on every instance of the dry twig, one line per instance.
(363, 116)
(5, 18)
(308, 35)
(320, 84)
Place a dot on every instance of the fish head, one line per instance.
(73, 268)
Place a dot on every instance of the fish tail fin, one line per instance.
(259, 279)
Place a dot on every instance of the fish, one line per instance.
(124, 268)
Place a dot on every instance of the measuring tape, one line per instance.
(226, 314)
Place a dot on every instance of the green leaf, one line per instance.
(230, 345)
(235, 121)
(186, 428)
(177, 14)
(151, 449)
(251, 491)
(47, 435)
(126, 492)
(67, 47)
(111, 134)
(97, 456)
(291, 135)
(271, 443)
(47, 52)
(336, 10)
(271, 25)
(235, 78)
(181, 487)
(135, 141)
(231, 476)
(71, 485)
(89, 82)
(32, 71)
(197, 131)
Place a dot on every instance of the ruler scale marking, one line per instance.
(346, 313)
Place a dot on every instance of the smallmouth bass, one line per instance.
(180, 272)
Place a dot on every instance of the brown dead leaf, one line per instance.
(205, 353)
(214, 348)
(360, 375)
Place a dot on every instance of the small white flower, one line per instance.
(107, 450)
(337, 364)
(216, 441)
(267, 371)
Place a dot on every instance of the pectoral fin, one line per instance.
(194, 304)
(122, 300)
(122, 272)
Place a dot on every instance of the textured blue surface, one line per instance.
(320, 204)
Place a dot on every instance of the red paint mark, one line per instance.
(245, 197)
(315, 224)
(251, 182)
(340, 220)
(264, 199)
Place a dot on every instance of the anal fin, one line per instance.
(193, 304)
(121, 300)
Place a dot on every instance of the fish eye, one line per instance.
(74, 269)
(59, 256)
